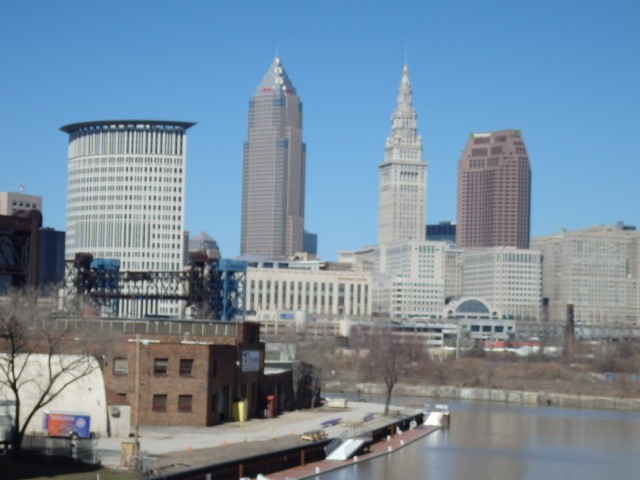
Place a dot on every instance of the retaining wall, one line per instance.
(507, 396)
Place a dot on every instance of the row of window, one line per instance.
(185, 403)
(160, 366)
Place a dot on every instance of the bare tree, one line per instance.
(34, 365)
(388, 358)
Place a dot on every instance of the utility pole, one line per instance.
(136, 400)
(137, 397)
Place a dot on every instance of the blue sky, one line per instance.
(566, 73)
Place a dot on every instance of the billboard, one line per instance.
(66, 424)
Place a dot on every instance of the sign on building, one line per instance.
(250, 361)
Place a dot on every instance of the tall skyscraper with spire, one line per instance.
(403, 175)
(273, 171)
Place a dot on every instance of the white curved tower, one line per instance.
(403, 175)
(125, 195)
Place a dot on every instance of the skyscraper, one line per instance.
(494, 191)
(273, 171)
(403, 175)
(126, 198)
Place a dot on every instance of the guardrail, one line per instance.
(368, 426)
(332, 446)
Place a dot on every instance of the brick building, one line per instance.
(188, 379)
(195, 373)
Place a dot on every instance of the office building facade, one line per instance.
(403, 175)
(310, 243)
(50, 258)
(508, 278)
(596, 269)
(126, 196)
(13, 202)
(274, 169)
(309, 286)
(443, 232)
(494, 191)
(410, 279)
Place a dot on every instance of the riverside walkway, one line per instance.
(178, 448)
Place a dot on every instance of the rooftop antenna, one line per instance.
(20, 188)
(406, 54)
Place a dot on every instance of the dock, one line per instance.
(384, 447)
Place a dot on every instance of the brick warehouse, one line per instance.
(190, 373)
(189, 379)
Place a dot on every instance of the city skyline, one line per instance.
(571, 92)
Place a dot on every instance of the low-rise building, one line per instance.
(190, 378)
(313, 286)
(192, 373)
(13, 202)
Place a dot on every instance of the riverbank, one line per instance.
(520, 397)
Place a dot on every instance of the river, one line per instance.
(489, 441)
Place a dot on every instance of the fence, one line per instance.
(80, 450)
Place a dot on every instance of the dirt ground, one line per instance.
(612, 374)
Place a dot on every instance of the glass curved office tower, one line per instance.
(125, 194)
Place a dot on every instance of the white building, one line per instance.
(597, 270)
(403, 175)
(85, 393)
(409, 279)
(362, 260)
(507, 278)
(12, 202)
(126, 197)
(310, 286)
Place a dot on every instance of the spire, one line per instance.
(276, 79)
(404, 92)
(404, 121)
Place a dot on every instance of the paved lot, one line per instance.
(172, 448)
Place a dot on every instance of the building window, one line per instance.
(185, 403)
(120, 366)
(159, 403)
(186, 366)
(160, 366)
